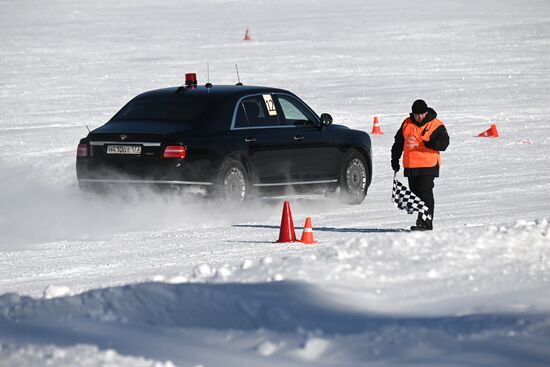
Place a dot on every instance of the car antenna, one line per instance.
(208, 84)
(238, 78)
(88, 129)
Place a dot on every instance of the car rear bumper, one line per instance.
(98, 171)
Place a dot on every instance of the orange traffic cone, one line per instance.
(491, 132)
(286, 233)
(307, 235)
(247, 36)
(376, 127)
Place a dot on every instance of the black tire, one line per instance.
(353, 178)
(232, 182)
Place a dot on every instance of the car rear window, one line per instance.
(187, 111)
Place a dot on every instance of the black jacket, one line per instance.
(439, 140)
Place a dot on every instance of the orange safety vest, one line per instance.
(415, 153)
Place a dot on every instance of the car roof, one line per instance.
(217, 91)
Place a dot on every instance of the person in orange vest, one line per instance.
(420, 139)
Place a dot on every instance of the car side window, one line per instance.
(241, 119)
(256, 111)
(294, 112)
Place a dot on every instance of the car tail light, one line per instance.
(174, 151)
(82, 150)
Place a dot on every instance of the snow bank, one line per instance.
(426, 272)
(313, 327)
(392, 289)
(79, 355)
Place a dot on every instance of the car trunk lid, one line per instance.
(134, 147)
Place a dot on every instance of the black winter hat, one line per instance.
(419, 106)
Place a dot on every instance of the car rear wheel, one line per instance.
(353, 178)
(233, 184)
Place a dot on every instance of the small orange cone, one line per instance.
(376, 127)
(247, 36)
(286, 233)
(491, 132)
(307, 235)
(494, 131)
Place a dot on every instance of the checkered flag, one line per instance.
(405, 199)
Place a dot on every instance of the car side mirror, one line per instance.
(325, 119)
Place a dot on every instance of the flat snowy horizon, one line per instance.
(149, 279)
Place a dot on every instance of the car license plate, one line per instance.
(123, 149)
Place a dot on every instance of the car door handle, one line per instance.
(250, 139)
(298, 137)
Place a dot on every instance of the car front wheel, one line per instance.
(353, 178)
(233, 184)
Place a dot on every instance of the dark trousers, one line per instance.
(423, 187)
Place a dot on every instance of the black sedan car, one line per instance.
(235, 141)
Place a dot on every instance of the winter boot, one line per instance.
(422, 225)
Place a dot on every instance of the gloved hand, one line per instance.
(395, 165)
(430, 144)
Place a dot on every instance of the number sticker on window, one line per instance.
(270, 105)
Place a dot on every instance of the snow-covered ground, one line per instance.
(147, 279)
